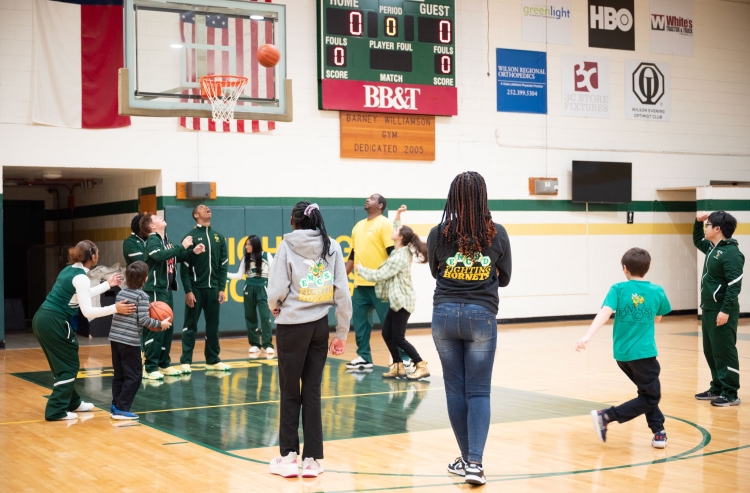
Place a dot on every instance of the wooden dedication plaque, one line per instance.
(387, 136)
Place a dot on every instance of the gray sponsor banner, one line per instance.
(585, 86)
(648, 91)
(672, 27)
(547, 21)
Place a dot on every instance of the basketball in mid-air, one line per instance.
(159, 310)
(268, 55)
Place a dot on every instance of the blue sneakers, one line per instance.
(117, 414)
(600, 424)
(659, 440)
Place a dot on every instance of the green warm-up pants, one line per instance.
(156, 345)
(364, 301)
(256, 300)
(720, 349)
(206, 301)
(60, 346)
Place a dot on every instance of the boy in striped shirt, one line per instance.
(125, 336)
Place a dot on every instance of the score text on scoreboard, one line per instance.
(390, 56)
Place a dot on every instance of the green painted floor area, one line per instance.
(239, 410)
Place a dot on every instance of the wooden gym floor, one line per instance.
(216, 432)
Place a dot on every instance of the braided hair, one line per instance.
(467, 221)
(135, 224)
(313, 221)
(257, 255)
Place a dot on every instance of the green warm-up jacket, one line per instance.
(208, 269)
(159, 251)
(721, 279)
(133, 248)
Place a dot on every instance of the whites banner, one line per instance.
(547, 21)
(672, 27)
(648, 90)
(585, 86)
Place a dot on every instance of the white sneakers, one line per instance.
(170, 372)
(311, 468)
(154, 375)
(253, 349)
(186, 369)
(287, 467)
(69, 416)
(218, 367)
(270, 351)
(84, 407)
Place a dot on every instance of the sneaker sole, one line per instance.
(360, 367)
(475, 480)
(659, 445)
(728, 404)
(311, 475)
(706, 398)
(287, 474)
(121, 418)
(462, 473)
(597, 428)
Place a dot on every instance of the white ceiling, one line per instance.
(10, 172)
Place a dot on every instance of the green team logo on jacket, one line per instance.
(216, 238)
(465, 268)
(637, 311)
(317, 285)
(718, 254)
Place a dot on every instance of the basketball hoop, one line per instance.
(223, 92)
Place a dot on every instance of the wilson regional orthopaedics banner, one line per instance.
(77, 52)
(521, 81)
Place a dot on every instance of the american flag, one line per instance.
(240, 34)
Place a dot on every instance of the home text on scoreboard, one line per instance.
(393, 56)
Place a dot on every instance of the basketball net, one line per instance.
(223, 92)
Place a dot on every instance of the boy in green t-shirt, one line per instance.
(637, 305)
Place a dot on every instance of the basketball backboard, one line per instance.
(169, 45)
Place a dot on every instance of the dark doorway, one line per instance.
(23, 226)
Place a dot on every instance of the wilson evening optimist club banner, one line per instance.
(585, 86)
(547, 22)
(672, 27)
(647, 90)
(521, 81)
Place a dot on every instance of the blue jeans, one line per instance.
(466, 338)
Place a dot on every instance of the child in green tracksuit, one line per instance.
(637, 305)
(255, 266)
(721, 282)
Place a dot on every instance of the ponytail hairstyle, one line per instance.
(307, 216)
(415, 244)
(82, 252)
(257, 255)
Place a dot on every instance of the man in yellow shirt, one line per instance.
(371, 245)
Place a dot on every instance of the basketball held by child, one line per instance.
(158, 310)
(268, 55)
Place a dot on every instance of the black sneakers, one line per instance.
(475, 474)
(706, 396)
(458, 467)
(722, 401)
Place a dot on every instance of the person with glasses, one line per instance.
(721, 283)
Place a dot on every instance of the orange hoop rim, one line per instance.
(230, 78)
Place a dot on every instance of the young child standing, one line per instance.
(637, 305)
(125, 336)
(393, 284)
(255, 266)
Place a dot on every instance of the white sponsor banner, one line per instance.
(648, 90)
(672, 27)
(547, 21)
(585, 86)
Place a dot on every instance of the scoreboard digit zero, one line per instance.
(390, 56)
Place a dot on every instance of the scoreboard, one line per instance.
(390, 56)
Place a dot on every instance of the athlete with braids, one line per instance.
(134, 246)
(307, 277)
(469, 256)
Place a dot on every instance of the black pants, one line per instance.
(644, 373)
(302, 350)
(394, 331)
(126, 361)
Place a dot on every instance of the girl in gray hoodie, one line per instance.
(307, 277)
